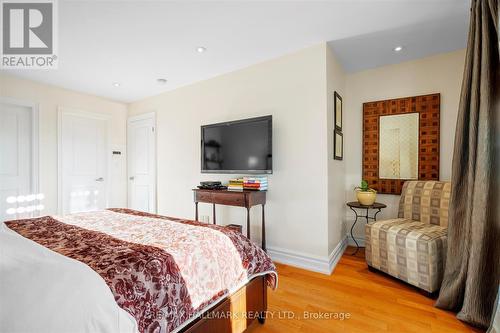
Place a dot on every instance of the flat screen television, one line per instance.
(242, 146)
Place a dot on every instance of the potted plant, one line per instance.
(366, 196)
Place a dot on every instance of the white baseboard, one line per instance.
(336, 254)
(315, 264)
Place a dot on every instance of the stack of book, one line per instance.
(235, 184)
(257, 183)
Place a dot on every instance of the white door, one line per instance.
(83, 163)
(142, 163)
(16, 197)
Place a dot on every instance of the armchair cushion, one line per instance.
(409, 250)
(425, 201)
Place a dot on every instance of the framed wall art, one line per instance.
(338, 145)
(338, 111)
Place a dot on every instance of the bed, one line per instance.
(120, 270)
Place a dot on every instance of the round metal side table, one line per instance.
(353, 205)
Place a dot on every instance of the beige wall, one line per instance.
(437, 74)
(335, 81)
(292, 90)
(49, 98)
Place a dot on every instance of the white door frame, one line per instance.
(149, 115)
(35, 141)
(62, 111)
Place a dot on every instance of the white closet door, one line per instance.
(83, 163)
(16, 199)
(142, 163)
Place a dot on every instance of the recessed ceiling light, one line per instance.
(161, 81)
(116, 84)
(398, 49)
(201, 49)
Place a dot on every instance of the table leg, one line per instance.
(352, 228)
(196, 211)
(248, 222)
(263, 229)
(214, 212)
(375, 216)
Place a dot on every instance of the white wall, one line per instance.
(49, 98)
(292, 89)
(437, 74)
(335, 81)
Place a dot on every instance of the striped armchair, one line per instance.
(412, 247)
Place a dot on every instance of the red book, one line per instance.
(252, 186)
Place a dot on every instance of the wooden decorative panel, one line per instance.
(428, 108)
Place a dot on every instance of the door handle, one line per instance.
(131, 178)
(100, 179)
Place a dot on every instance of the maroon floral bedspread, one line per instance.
(163, 271)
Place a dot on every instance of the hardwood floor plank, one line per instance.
(375, 303)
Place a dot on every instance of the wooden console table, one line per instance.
(246, 199)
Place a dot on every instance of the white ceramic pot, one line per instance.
(366, 198)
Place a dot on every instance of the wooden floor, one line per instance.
(374, 302)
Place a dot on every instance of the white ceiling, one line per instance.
(136, 42)
(418, 40)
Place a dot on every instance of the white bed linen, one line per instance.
(43, 291)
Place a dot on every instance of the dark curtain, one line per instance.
(472, 269)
